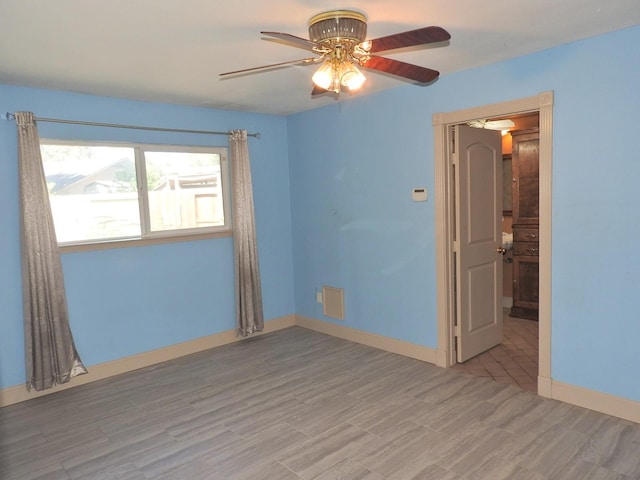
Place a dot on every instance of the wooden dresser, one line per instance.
(525, 167)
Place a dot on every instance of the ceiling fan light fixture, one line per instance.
(334, 74)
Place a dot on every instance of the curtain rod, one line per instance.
(11, 116)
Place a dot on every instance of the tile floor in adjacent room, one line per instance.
(515, 360)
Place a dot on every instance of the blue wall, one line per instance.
(353, 165)
(130, 300)
(346, 218)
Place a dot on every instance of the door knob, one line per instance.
(502, 250)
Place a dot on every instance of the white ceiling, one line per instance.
(173, 50)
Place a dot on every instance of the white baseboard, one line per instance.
(598, 401)
(392, 345)
(582, 397)
(18, 393)
(442, 358)
(545, 387)
(507, 302)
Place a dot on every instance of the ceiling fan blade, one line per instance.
(317, 91)
(421, 36)
(288, 38)
(273, 65)
(401, 69)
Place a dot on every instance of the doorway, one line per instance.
(445, 218)
(512, 356)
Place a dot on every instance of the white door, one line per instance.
(478, 165)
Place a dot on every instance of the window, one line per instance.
(108, 192)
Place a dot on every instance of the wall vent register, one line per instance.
(333, 302)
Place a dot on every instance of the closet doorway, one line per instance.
(450, 250)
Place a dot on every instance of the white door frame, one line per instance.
(542, 103)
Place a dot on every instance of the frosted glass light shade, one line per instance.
(351, 77)
(324, 76)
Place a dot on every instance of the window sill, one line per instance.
(141, 242)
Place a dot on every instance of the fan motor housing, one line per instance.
(338, 25)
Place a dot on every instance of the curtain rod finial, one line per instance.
(7, 116)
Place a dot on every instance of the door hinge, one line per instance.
(456, 347)
(457, 331)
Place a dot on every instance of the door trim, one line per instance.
(542, 103)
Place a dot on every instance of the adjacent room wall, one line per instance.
(355, 227)
(130, 300)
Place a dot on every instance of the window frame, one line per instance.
(147, 236)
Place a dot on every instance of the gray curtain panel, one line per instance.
(51, 356)
(249, 314)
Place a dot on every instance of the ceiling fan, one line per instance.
(492, 124)
(338, 38)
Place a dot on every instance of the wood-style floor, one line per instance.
(296, 404)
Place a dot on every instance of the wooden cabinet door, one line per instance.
(525, 286)
(525, 166)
